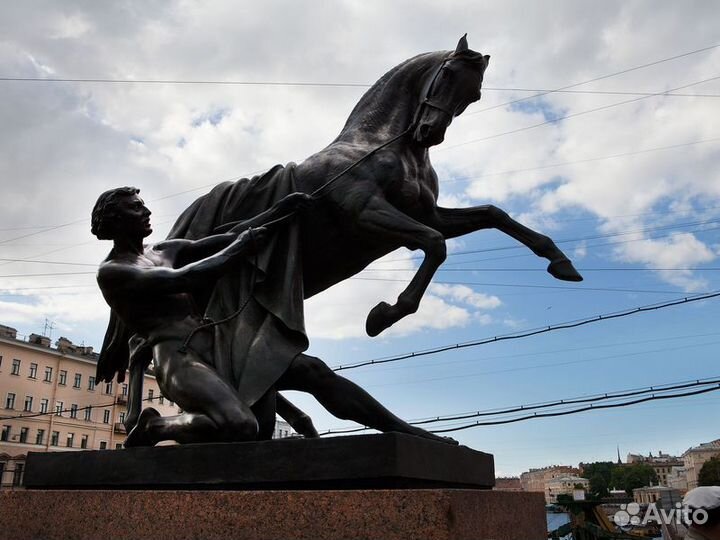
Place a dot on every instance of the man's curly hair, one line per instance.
(103, 213)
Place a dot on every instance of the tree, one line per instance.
(600, 476)
(637, 475)
(710, 473)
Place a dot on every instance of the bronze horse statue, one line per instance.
(375, 191)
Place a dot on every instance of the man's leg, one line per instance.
(343, 398)
(213, 410)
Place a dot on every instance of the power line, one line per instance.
(601, 77)
(579, 161)
(596, 398)
(553, 287)
(573, 115)
(530, 332)
(60, 412)
(591, 407)
(646, 269)
(578, 239)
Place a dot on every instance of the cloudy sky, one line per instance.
(625, 169)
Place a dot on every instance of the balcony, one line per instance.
(119, 427)
(121, 400)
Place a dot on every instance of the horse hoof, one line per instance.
(564, 269)
(378, 319)
(138, 436)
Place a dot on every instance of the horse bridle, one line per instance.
(426, 99)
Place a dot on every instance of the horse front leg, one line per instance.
(452, 222)
(380, 219)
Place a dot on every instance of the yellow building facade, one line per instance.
(49, 401)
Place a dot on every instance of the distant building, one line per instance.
(508, 483)
(49, 401)
(564, 485)
(662, 464)
(661, 496)
(537, 479)
(677, 479)
(282, 430)
(694, 458)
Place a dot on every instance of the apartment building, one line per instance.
(50, 401)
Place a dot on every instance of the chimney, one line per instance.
(65, 345)
(37, 339)
(8, 332)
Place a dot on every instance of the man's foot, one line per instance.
(139, 435)
(427, 435)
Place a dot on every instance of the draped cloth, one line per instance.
(255, 347)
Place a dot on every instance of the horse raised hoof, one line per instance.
(564, 269)
(139, 436)
(380, 318)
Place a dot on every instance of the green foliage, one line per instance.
(629, 477)
(600, 476)
(710, 473)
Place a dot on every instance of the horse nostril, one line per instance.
(424, 130)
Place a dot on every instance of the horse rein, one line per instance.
(425, 101)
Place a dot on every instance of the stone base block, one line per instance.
(414, 514)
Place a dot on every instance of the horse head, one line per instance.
(447, 92)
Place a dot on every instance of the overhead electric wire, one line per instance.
(600, 78)
(530, 332)
(592, 399)
(580, 410)
(579, 161)
(572, 115)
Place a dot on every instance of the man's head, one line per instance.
(118, 212)
(704, 503)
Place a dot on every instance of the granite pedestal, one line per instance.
(382, 487)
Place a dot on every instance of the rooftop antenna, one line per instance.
(49, 326)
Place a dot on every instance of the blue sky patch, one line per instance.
(539, 105)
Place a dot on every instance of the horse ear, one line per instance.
(487, 60)
(462, 45)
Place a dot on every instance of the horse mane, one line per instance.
(368, 110)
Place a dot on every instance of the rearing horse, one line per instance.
(375, 191)
(389, 200)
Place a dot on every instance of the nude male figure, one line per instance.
(150, 289)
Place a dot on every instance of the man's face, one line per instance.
(132, 217)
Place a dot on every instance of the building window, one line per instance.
(108, 388)
(63, 377)
(5, 433)
(58, 408)
(70, 439)
(150, 394)
(78, 380)
(10, 401)
(103, 445)
(24, 434)
(118, 446)
(40, 436)
(48, 374)
(73, 410)
(124, 390)
(55, 438)
(88, 412)
(18, 474)
(106, 416)
(91, 383)
(15, 367)
(44, 405)
(122, 417)
(28, 404)
(84, 441)
(161, 399)
(33, 371)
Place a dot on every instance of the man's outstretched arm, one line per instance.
(137, 279)
(200, 249)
